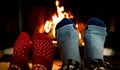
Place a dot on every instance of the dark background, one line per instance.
(23, 15)
(26, 15)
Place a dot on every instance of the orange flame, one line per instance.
(51, 24)
(80, 27)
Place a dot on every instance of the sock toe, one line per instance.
(63, 22)
(43, 52)
(20, 52)
(96, 21)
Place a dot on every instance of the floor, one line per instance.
(5, 65)
(5, 60)
(114, 59)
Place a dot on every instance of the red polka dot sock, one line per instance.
(43, 52)
(19, 59)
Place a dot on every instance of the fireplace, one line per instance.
(31, 16)
(43, 19)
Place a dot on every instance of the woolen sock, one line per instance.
(95, 35)
(67, 38)
(43, 52)
(19, 59)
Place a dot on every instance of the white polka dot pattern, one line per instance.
(43, 50)
(20, 52)
(21, 46)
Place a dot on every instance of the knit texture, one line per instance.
(43, 52)
(21, 51)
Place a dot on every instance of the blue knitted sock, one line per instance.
(67, 38)
(95, 35)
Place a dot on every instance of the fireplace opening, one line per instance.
(43, 19)
(34, 16)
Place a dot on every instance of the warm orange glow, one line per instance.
(51, 24)
(41, 29)
(80, 29)
(47, 26)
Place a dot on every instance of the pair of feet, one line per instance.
(94, 38)
(42, 49)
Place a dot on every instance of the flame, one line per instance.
(51, 24)
(47, 26)
(80, 27)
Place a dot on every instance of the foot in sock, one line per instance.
(95, 35)
(19, 60)
(43, 52)
(67, 38)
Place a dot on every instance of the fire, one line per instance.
(50, 25)
(80, 29)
